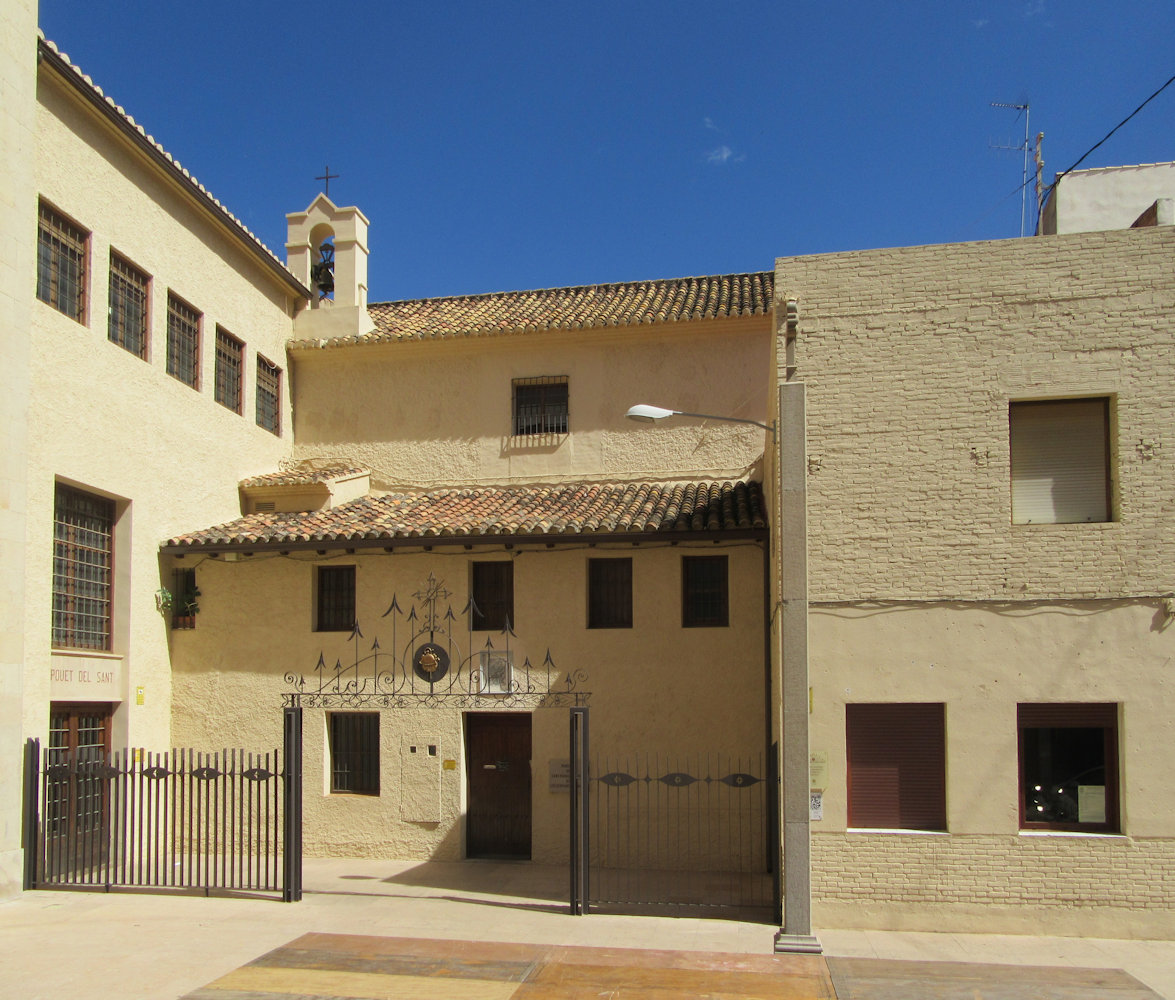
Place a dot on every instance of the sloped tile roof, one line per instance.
(304, 477)
(74, 74)
(579, 509)
(578, 308)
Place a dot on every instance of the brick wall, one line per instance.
(911, 357)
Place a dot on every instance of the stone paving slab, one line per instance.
(889, 979)
(358, 967)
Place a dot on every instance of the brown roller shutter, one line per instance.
(896, 766)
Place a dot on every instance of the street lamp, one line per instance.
(644, 413)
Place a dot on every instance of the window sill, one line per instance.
(1090, 834)
(898, 830)
(89, 654)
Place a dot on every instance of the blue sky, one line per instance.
(510, 145)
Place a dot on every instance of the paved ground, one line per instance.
(500, 930)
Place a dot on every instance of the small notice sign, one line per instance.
(560, 774)
(815, 805)
(818, 770)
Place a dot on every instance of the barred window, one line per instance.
(493, 595)
(336, 598)
(83, 562)
(269, 395)
(229, 351)
(704, 598)
(183, 341)
(540, 405)
(609, 593)
(127, 319)
(61, 263)
(354, 752)
(184, 598)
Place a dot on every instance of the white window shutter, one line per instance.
(1059, 461)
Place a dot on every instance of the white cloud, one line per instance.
(709, 123)
(1033, 8)
(981, 23)
(723, 154)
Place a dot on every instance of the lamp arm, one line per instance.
(733, 420)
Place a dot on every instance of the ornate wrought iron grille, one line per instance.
(428, 662)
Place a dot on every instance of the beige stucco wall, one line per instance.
(439, 413)
(18, 222)
(655, 687)
(924, 591)
(119, 426)
(1106, 197)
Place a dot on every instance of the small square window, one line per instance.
(1068, 766)
(336, 598)
(540, 405)
(896, 766)
(62, 251)
(269, 396)
(493, 595)
(229, 352)
(704, 592)
(354, 752)
(609, 593)
(183, 341)
(1060, 453)
(127, 322)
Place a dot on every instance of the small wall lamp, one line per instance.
(645, 413)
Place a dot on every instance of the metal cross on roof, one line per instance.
(326, 178)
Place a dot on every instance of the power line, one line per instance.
(1111, 132)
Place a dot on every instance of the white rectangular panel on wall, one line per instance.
(420, 779)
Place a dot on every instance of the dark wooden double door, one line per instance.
(498, 818)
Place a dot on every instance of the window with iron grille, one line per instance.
(1068, 766)
(184, 596)
(609, 593)
(540, 405)
(493, 595)
(269, 396)
(61, 262)
(704, 596)
(229, 352)
(183, 341)
(127, 320)
(354, 752)
(336, 598)
(896, 766)
(83, 562)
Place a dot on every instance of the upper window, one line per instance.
(336, 598)
(184, 598)
(609, 593)
(540, 405)
(1060, 461)
(896, 766)
(354, 752)
(269, 396)
(704, 598)
(493, 595)
(229, 352)
(183, 341)
(83, 562)
(1068, 766)
(61, 263)
(127, 321)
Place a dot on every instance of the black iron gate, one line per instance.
(226, 822)
(681, 833)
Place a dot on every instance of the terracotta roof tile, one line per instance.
(578, 308)
(578, 509)
(302, 477)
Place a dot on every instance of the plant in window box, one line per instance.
(184, 608)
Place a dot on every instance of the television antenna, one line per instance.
(1024, 148)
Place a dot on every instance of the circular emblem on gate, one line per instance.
(430, 662)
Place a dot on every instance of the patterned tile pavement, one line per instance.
(360, 967)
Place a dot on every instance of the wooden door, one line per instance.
(76, 808)
(498, 765)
